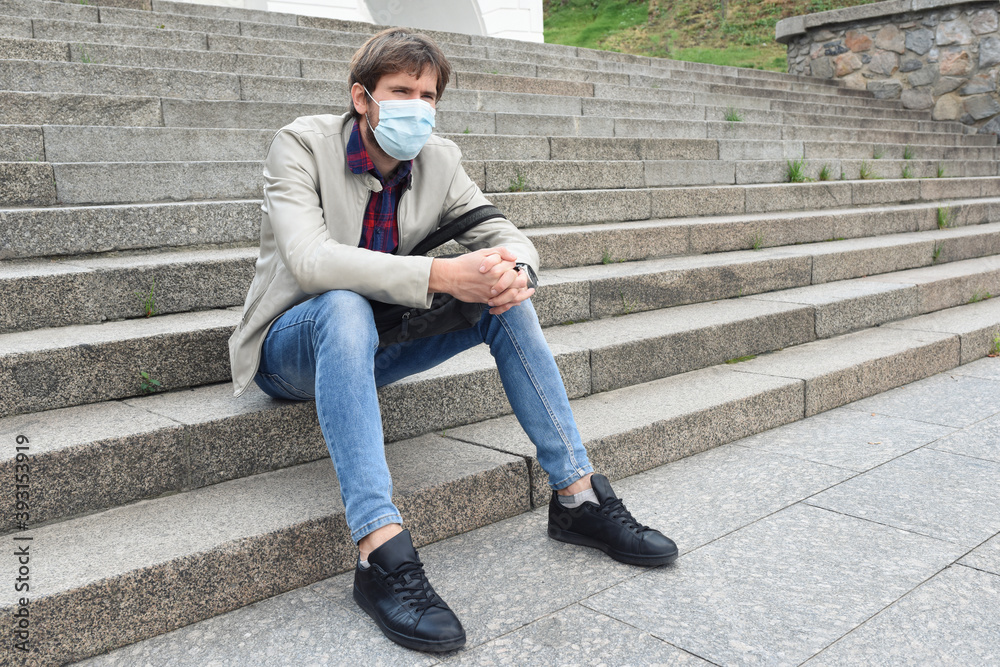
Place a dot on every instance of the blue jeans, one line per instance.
(326, 349)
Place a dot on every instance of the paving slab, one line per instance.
(778, 591)
(977, 326)
(988, 368)
(981, 441)
(526, 576)
(985, 557)
(942, 495)
(920, 630)
(578, 636)
(947, 399)
(848, 438)
(295, 628)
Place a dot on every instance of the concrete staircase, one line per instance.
(691, 296)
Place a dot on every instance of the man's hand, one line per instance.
(484, 276)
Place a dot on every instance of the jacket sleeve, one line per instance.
(316, 261)
(464, 195)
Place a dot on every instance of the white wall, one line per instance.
(513, 19)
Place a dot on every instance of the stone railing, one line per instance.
(930, 54)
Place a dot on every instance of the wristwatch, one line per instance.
(529, 272)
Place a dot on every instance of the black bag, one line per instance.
(398, 324)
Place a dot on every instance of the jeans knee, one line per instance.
(344, 319)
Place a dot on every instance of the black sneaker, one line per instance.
(395, 592)
(610, 528)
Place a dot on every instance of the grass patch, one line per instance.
(907, 172)
(867, 172)
(738, 33)
(736, 360)
(825, 174)
(148, 300)
(732, 114)
(795, 172)
(940, 170)
(994, 346)
(757, 241)
(945, 217)
(978, 296)
(878, 152)
(908, 153)
(936, 253)
(519, 183)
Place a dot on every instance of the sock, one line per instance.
(363, 564)
(578, 499)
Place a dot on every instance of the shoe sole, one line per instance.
(630, 559)
(403, 640)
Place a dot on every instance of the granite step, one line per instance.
(250, 547)
(633, 429)
(82, 143)
(27, 108)
(597, 357)
(70, 77)
(40, 232)
(77, 183)
(331, 62)
(116, 286)
(88, 363)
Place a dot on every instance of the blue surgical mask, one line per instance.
(403, 126)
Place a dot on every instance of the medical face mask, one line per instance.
(403, 126)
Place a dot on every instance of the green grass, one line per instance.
(736, 360)
(796, 171)
(692, 30)
(940, 170)
(878, 152)
(945, 217)
(588, 24)
(825, 174)
(978, 296)
(757, 241)
(907, 172)
(148, 300)
(519, 183)
(995, 346)
(867, 172)
(732, 114)
(936, 254)
(908, 153)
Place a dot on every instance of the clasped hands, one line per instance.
(484, 276)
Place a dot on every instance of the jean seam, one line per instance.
(541, 394)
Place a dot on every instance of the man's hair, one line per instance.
(397, 50)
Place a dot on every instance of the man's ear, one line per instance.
(360, 98)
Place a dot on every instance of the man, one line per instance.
(345, 198)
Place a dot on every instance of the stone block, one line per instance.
(955, 63)
(953, 32)
(890, 38)
(982, 106)
(582, 207)
(923, 77)
(36, 232)
(984, 22)
(911, 65)
(792, 196)
(841, 370)
(917, 99)
(27, 184)
(885, 90)
(689, 172)
(695, 201)
(822, 68)
(21, 143)
(857, 41)
(946, 84)
(846, 63)
(919, 41)
(884, 62)
(979, 84)
(989, 52)
(976, 325)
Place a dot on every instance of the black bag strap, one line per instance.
(457, 227)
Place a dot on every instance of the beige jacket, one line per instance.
(311, 226)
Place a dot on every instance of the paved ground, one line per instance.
(868, 535)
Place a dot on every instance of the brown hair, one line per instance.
(397, 50)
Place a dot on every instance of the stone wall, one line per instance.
(930, 54)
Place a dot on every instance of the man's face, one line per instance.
(397, 86)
